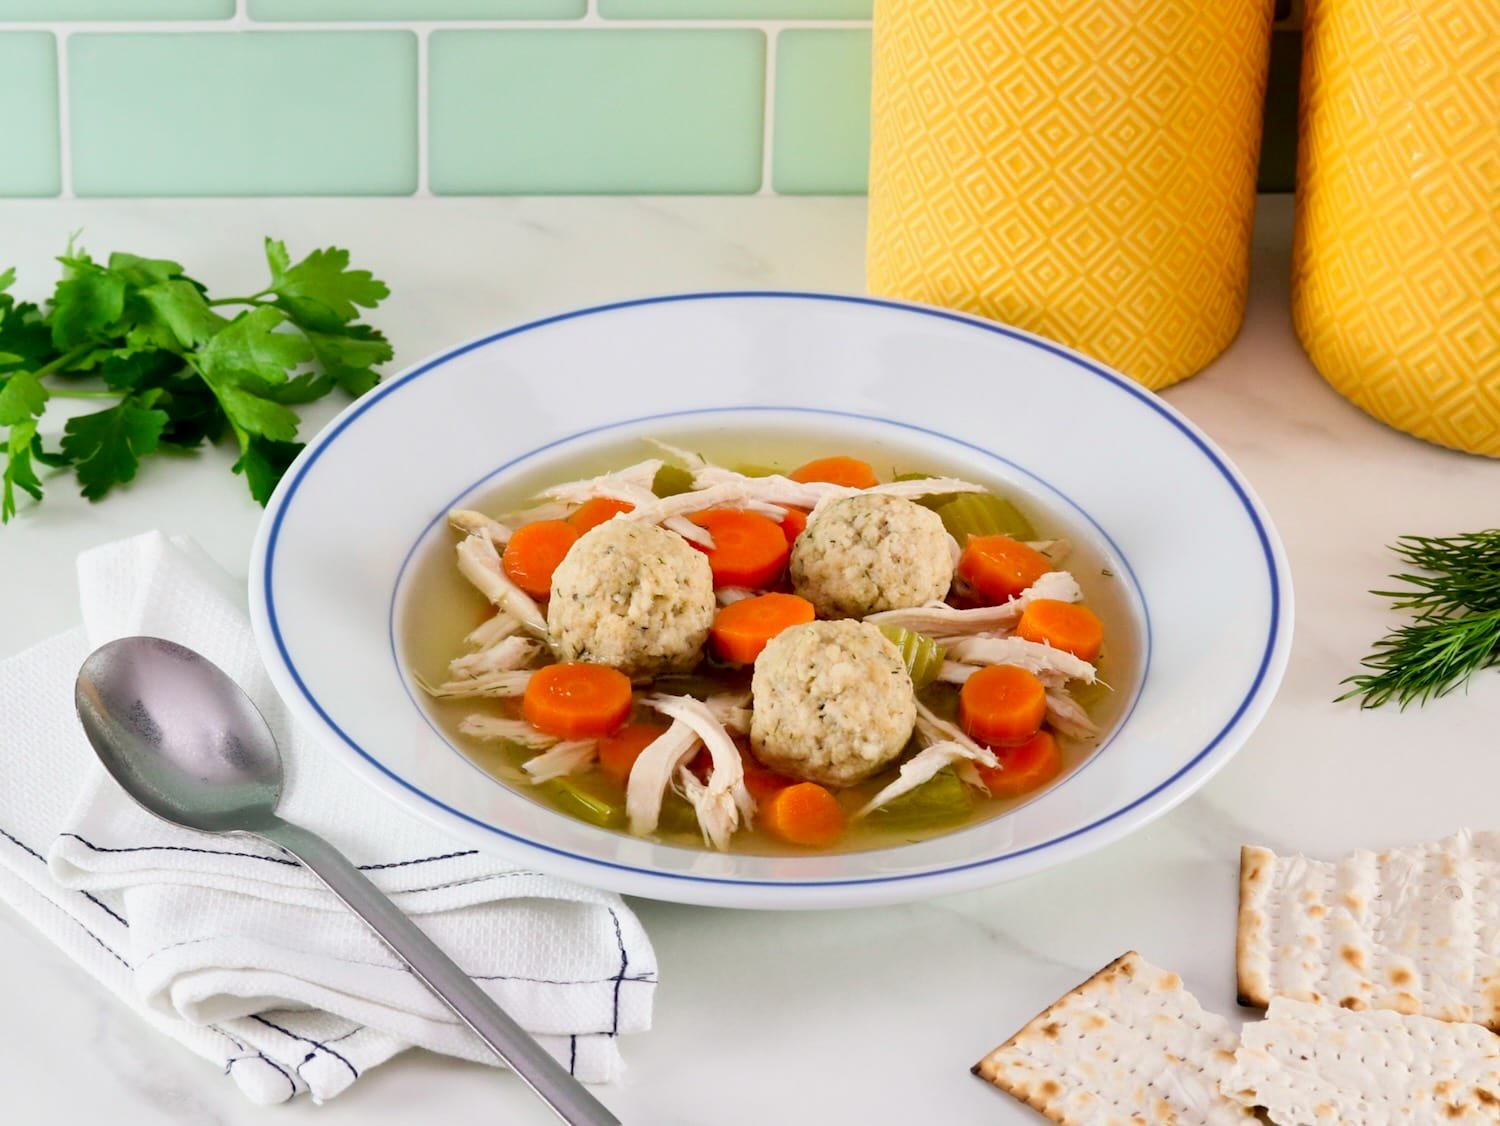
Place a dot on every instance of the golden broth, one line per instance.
(440, 607)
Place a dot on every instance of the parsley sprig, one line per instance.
(178, 368)
(1454, 596)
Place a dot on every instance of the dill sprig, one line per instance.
(1453, 593)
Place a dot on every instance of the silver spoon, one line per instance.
(185, 742)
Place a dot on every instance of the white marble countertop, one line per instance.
(870, 1016)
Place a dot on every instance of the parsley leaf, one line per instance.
(85, 305)
(250, 344)
(263, 463)
(256, 415)
(179, 307)
(18, 470)
(321, 292)
(106, 447)
(179, 369)
(350, 357)
(21, 398)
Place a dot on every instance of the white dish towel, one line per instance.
(228, 945)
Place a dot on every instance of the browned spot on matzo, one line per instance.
(1353, 956)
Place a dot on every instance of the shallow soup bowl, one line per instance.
(1195, 586)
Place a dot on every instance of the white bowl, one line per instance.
(1201, 570)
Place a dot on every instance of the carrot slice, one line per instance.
(617, 754)
(1002, 704)
(749, 549)
(576, 700)
(596, 511)
(1063, 625)
(848, 471)
(999, 567)
(534, 552)
(742, 629)
(765, 784)
(804, 814)
(1023, 767)
(794, 523)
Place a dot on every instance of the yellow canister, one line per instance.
(1084, 169)
(1396, 257)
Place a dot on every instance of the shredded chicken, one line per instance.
(931, 728)
(497, 685)
(1051, 666)
(728, 595)
(663, 510)
(470, 523)
(492, 630)
(942, 622)
(652, 774)
(506, 655)
(632, 484)
(688, 458)
(953, 672)
(551, 510)
(724, 802)
(515, 730)
(922, 766)
(776, 489)
(1068, 717)
(925, 487)
(479, 562)
(561, 759)
(772, 489)
(732, 709)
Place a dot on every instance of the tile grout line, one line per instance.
(767, 138)
(424, 170)
(64, 118)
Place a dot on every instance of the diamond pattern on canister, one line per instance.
(1396, 262)
(1084, 169)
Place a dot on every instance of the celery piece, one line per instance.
(573, 798)
(677, 816)
(923, 656)
(983, 514)
(671, 480)
(751, 469)
(941, 800)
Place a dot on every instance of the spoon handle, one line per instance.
(561, 1091)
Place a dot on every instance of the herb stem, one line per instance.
(253, 299)
(70, 394)
(63, 362)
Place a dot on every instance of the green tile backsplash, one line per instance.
(822, 123)
(555, 112)
(115, 9)
(736, 9)
(28, 78)
(289, 113)
(416, 9)
(456, 97)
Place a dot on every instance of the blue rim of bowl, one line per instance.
(441, 515)
(299, 471)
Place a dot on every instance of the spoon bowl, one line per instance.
(183, 740)
(179, 735)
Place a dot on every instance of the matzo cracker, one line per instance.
(1128, 1046)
